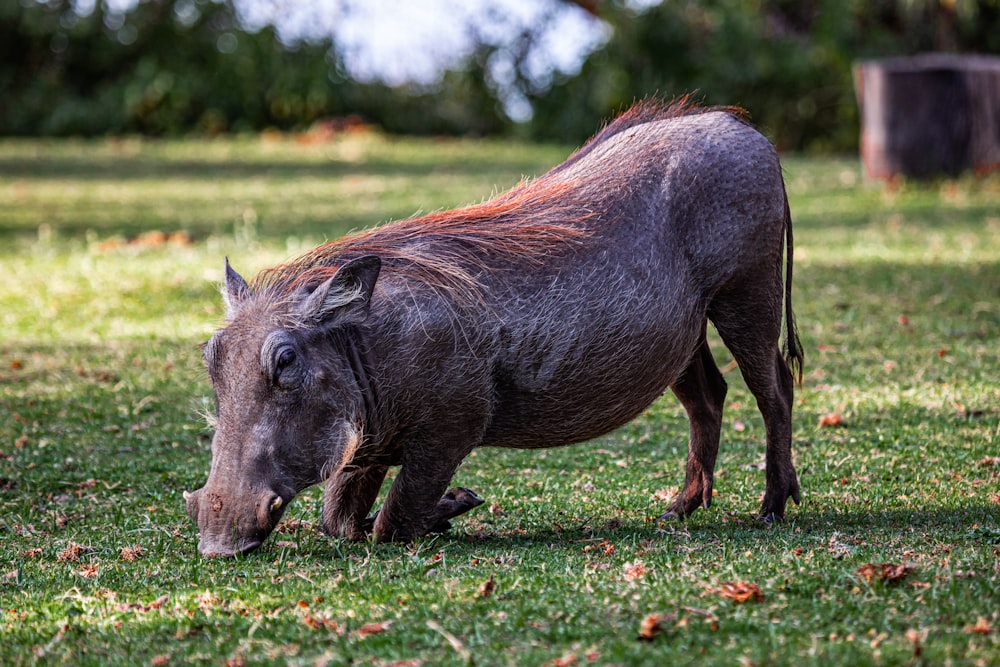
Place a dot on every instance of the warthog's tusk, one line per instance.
(276, 504)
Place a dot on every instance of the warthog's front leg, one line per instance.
(455, 502)
(349, 496)
(417, 502)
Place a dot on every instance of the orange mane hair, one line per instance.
(448, 249)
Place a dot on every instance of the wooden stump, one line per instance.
(929, 115)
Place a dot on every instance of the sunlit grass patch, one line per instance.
(897, 293)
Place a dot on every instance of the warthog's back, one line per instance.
(677, 209)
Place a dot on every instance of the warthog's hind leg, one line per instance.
(702, 391)
(752, 335)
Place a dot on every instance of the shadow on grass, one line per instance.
(976, 524)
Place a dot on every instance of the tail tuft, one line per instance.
(793, 346)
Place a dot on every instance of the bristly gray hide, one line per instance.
(546, 316)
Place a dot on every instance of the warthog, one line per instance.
(546, 316)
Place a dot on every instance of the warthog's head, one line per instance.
(287, 401)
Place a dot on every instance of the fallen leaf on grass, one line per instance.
(665, 495)
(207, 600)
(990, 461)
(322, 620)
(89, 570)
(831, 419)
(981, 627)
(635, 570)
(143, 608)
(605, 548)
(739, 591)
(292, 525)
(917, 638)
(73, 552)
(887, 572)
(132, 553)
(654, 624)
(369, 629)
(487, 587)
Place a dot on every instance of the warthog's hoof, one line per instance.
(455, 502)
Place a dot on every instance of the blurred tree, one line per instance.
(170, 66)
(164, 66)
(788, 62)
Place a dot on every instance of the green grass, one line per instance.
(897, 294)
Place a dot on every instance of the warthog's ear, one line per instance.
(345, 298)
(236, 290)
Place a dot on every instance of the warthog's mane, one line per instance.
(447, 250)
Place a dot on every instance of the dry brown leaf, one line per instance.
(831, 419)
(980, 627)
(604, 547)
(207, 600)
(369, 629)
(567, 660)
(88, 570)
(918, 638)
(143, 608)
(887, 572)
(739, 591)
(132, 553)
(665, 495)
(73, 552)
(635, 570)
(487, 587)
(654, 624)
(316, 622)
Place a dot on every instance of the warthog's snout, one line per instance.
(233, 524)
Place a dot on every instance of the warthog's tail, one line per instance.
(793, 347)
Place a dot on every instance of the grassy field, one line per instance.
(112, 252)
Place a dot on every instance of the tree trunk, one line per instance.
(929, 115)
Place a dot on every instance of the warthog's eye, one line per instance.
(279, 360)
(284, 358)
(285, 370)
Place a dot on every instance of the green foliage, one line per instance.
(787, 63)
(169, 67)
(160, 68)
(101, 384)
